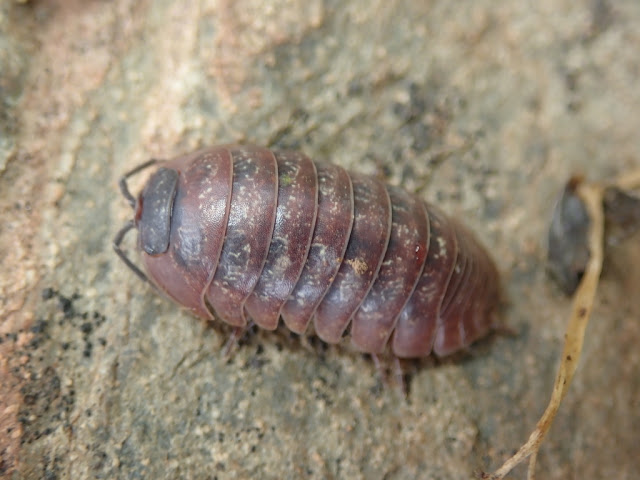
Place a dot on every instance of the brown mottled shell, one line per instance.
(238, 232)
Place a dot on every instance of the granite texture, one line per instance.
(483, 107)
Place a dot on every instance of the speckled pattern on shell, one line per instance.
(264, 234)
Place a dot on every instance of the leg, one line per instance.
(236, 335)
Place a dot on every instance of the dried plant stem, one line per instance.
(583, 299)
(628, 180)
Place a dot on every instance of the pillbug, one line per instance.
(244, 233)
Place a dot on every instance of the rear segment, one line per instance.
(416, 327)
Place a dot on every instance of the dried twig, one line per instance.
(592, 197)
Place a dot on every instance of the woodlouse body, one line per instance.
(233, 232)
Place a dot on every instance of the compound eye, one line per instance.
(156, 203)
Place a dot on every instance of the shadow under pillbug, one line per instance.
(237, 232)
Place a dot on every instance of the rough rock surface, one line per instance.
(485, 108)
